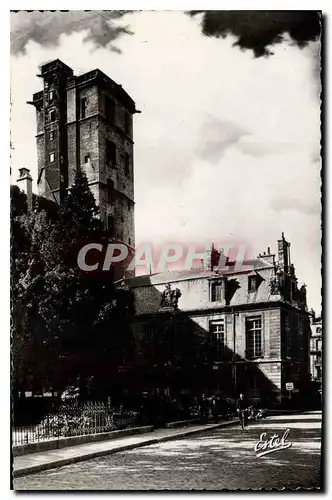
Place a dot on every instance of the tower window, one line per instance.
(129, 206)
(83, 107)
(126, 123)
(110, 189)
(110, 152)
(51, 135)
(109, 109)
(110, 225)
(51, 95)
(52, 115)
(129, 241)
(126, 164)
(87, 159)
(51, 157)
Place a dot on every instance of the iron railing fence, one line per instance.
(75, 419)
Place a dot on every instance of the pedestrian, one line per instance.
(203, 407)
(214, 408)
(241, 408)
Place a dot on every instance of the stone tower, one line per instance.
(87, 121)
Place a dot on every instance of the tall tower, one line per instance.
(86, 121)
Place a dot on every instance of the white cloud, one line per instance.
(223, 139)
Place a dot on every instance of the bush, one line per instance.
(76, 420)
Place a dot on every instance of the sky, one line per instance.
(227, 147)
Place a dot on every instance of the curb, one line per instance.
(97, 454)
(66, 442)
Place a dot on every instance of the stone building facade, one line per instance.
(255, 319)
(316, 350)
(87, 121)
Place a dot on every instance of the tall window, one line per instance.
(288, 336)
(126, 164)
(52, 115)
(110, 188)
(217, 329)
(83, 107)
(110, 153)
(110, 225)
(51, 135)
(216, 291)
(109, 109)
(51, 157)
(254, 337)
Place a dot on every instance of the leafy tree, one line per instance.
(69, 325)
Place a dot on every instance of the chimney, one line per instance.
(268, 257)
(25, 184)
(313, 315)
(284, 254)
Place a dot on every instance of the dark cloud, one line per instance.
(216, 136)
(45, 27)
(283, 204)
(257, 30)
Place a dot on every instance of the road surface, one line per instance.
(220, 459)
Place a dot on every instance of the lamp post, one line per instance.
(234, 350)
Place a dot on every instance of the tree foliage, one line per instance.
(67, 325)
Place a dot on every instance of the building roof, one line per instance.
(91, 77)
(182, 275)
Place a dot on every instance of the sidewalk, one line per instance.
(37, 462)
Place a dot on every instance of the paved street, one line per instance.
(223, 458)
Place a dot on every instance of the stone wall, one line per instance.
(196, 294)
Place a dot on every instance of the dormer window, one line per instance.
(216, 291)
(252, 284)
(254, 280)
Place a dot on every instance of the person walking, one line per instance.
(203, 407)
(215, 407)
(241, 408)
